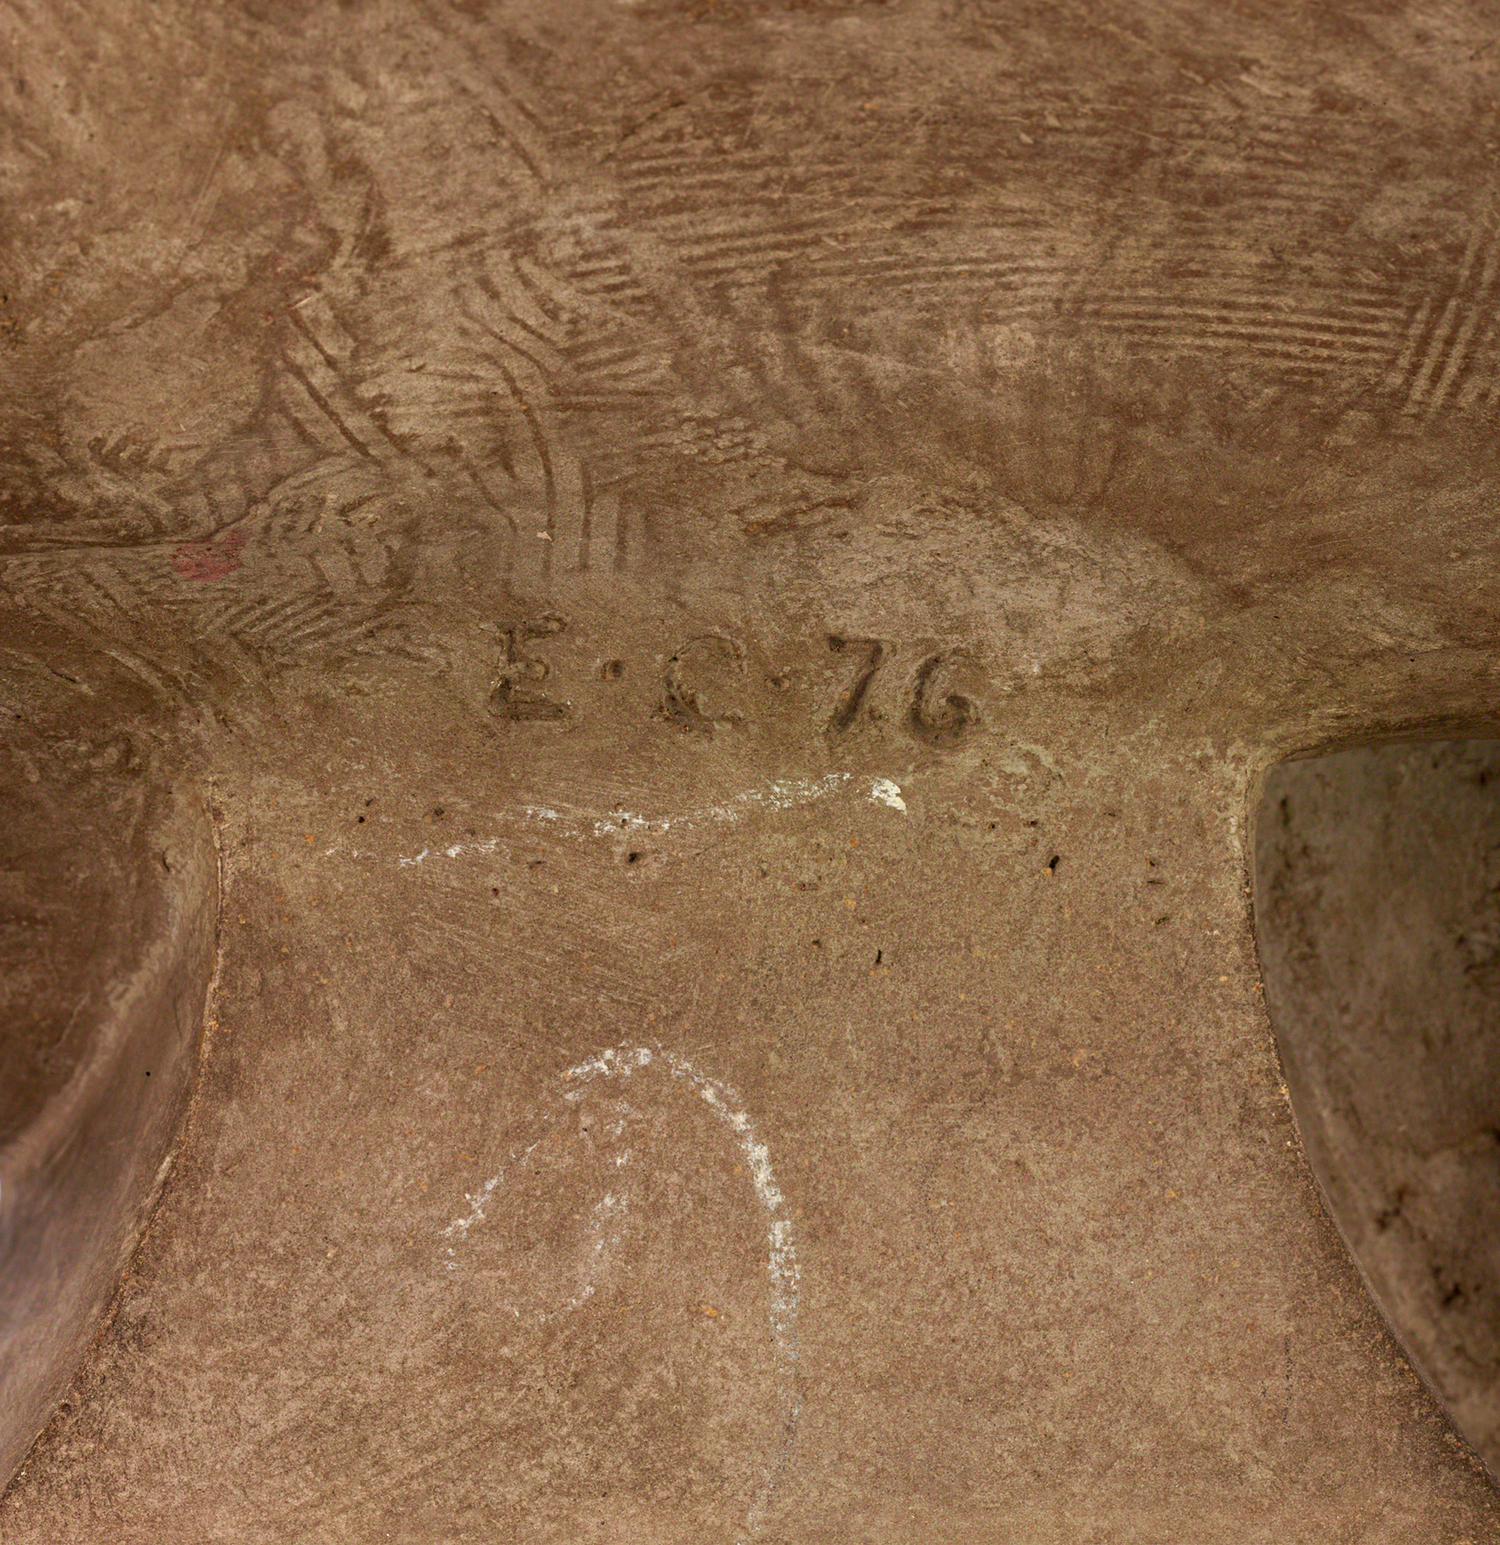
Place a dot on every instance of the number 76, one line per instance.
(935, 716)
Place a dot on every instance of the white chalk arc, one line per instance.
(783, 1273)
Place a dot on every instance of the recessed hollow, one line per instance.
(1378, 920)
(107, 915)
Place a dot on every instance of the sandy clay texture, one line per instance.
(706, 590)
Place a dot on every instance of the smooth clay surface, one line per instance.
(729, 573)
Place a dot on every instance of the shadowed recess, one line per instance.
(108, 899)
(1378, 916)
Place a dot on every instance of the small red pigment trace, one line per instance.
(209, 560)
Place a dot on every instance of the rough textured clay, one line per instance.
(788, 538)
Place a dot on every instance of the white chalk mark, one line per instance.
(489, 845)
(609, 1206)
(783, 794)
(782, 1271)
(886, 791)
(478, 1201)
(783, 1274)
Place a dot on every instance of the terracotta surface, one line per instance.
(780, 543)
